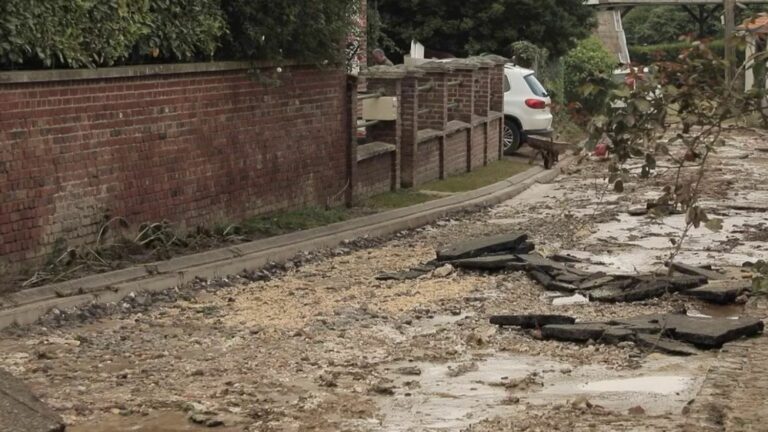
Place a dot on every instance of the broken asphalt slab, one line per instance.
(514, 243)
(670, 333)
(21, 411)
(721, 292)
(530, 321)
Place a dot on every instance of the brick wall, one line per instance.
(194, 148)
(374, 175)
(494, 139)
(456, 152)
(478, 146)
(427, 161)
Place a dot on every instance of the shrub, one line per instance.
(307, 30)
(668, 51)
(588, 62)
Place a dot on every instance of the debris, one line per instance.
(669, 333)
(530, 321)
(721, 292)
(506, 243)
(22, 411)
(443, 272)
(636, 410)
(572, 300)
(638, 211)
(695, 271)
(493, 262)
(401, 276)
(409, 370)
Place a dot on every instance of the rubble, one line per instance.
(721, 292)
(670, 333)
(507, 243)
(531, 321)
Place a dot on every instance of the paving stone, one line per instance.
(540, 263)
(530, 321)
(720, 292)
(596, 281)
(507, 243)
(21, 411)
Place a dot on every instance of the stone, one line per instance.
(595, 282)
(444, 271)
(493, 262)
(636, 410)
(695, 271)
(409, 370)
(720, 292)
(565, 258)
(638, 211)
(507, 243)
(531, 321)
(540, 263)
(22, 411)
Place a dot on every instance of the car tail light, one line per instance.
(536, 103)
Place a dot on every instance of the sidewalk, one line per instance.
(25, 307)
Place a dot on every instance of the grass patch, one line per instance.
(296, 220)
(485, 176)
(399, 199)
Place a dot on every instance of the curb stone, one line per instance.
(26, 307)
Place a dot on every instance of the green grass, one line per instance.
(296, 220)
(485, 176)
(399, 199)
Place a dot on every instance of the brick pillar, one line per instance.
(351, 126)
(409, 106)
(482, 103)
(433, 104)
(497, 92)
(388, 82)
(462, 105)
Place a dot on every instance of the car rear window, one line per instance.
(507, 87)
(535, 85)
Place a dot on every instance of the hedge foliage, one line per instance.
(93, 33)
(588, 61)
(648, 54)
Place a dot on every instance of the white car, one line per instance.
(526, 107)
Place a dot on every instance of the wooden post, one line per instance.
(729, 7)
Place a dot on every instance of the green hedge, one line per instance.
(667, 52)
(585, 63)
(93, 33)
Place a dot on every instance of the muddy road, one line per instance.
(326, 347)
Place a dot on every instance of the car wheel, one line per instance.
(512, 137)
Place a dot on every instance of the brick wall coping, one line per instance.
(373, 149)
(31, 76)
(427, 134)
(455, 126)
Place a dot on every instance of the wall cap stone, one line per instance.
(33, 76)
(384, 72)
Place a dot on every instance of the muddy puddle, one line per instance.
(453, 396)
(168, 421)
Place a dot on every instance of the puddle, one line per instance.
(437, 401)
(717, 311)
(155, 422)
(665, 385)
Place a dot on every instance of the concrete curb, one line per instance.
(28, 306)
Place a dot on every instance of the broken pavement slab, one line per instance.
(695, 271)
(506, 243)
(721, 292)
(22, 411)
(492, 262)
(530, 321)
(702, 332)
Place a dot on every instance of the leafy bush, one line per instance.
(588, 62)
(92, 33)
(668, 51)
(308, 30)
